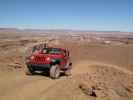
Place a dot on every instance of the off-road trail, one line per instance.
(18, 86)
(21, 87)
(86, 64)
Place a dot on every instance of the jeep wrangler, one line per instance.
(53, 60)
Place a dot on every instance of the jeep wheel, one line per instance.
(54, 71)
(28, 71)
(68, 72)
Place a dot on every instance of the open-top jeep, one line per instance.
(54, 60)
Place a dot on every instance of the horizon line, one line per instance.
(65, 29)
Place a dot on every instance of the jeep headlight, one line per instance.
(48, 58)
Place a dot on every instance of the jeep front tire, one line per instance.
(28, 71)
(54, 71)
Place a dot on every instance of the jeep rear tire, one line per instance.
(54, 71)
(68, 72)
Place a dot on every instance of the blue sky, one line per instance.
(114, 15)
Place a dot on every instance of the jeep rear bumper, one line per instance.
(39, 67)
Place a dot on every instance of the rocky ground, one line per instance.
(100, 72)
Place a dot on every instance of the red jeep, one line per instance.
(55, 60)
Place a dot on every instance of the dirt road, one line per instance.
(20, 87)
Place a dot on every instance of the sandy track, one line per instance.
(24, 87)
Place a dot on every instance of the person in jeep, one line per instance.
(55, 60)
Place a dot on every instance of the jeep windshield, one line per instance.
(51, 51)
